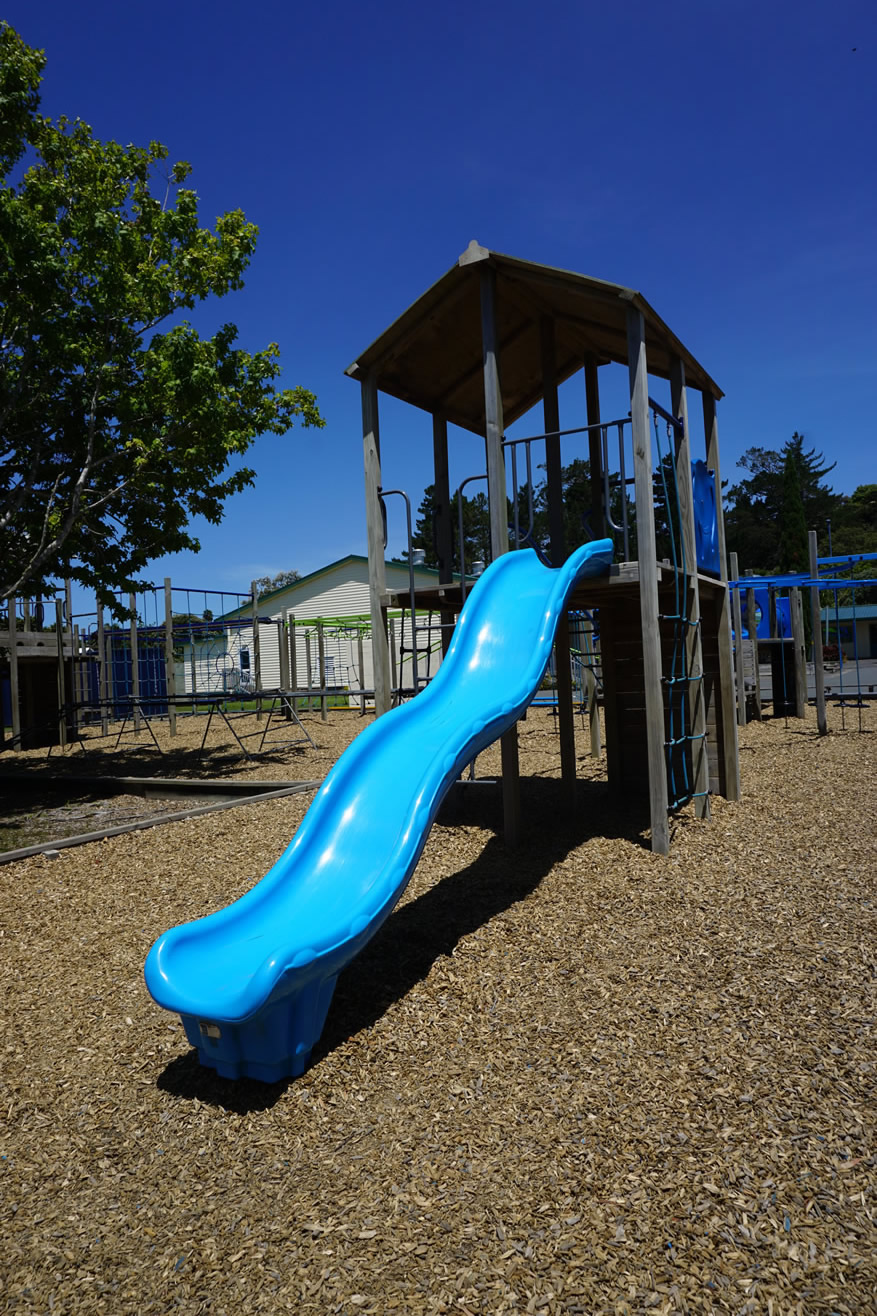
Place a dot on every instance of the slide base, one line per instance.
(274, 1044)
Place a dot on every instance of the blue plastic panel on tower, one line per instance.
(253, 981)
(706, 529)
(762, 615)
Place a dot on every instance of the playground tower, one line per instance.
(479, 349)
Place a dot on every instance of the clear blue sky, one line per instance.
(720, 158)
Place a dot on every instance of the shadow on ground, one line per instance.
(420, 932)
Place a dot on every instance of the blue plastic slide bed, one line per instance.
(253, 982)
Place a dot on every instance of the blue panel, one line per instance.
(706, 531)
(762, 615)
(253, 982)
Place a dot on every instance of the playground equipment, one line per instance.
(253, 982)
(769, 624)
(479, 349)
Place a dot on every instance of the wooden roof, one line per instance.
(432, 355)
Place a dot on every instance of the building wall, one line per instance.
(337, 596)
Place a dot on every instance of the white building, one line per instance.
(337, 596)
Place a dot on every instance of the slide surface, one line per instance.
(253, 981)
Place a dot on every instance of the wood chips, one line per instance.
(574, 1078)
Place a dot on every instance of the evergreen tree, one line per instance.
(793, 545)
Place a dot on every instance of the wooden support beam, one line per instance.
(499, 535)
(591, 683)
(753, 640)
(739, 666)
(496, 480)
(444, 526)
(377, 576)
(728, 749)
(135, 660)
(800, 645)
(360, 658)
(554, 473)
(648, 575)
(693, 618)
(816, 622)
(321, 657)
(14, 688)
(62, 683)
(293, 659)
(257, 649)
(595, 448)
(283, 644)
(102, 684)
(169, 667)
(309, 668)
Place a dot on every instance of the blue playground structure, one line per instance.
(253, 982)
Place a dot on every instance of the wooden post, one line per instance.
(591, 681)
(595, 448)
(308, 667)
(14, 690)
(135, 660)
(321, 656)
(283, 644)
(739, 668)
(62, 684)
(377, 576)
(753, 640)
(691, 589)
(554, 474)
(360, 657)
(444, 530)
(728, 747)
(499, 535)
(111, 679)
(648, 577)
(193, 667)
(76, 672)
(816, 621)
(102, 672)
(257, 652)
(170, 675)
(293, 659)
(800, 643)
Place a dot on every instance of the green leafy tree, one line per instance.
(118, 421)
(854, 530)
(268, 584)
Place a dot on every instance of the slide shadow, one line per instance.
(418, 933)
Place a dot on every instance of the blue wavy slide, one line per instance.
(253, 981)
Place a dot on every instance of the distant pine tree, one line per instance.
(793, 548)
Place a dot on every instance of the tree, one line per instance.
(476, 528)
(793, 551)
(118, 421)
(756, 508)
(268, 584)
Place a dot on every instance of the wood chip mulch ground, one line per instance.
(573, 1078)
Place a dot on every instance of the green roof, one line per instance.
(321, 571)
